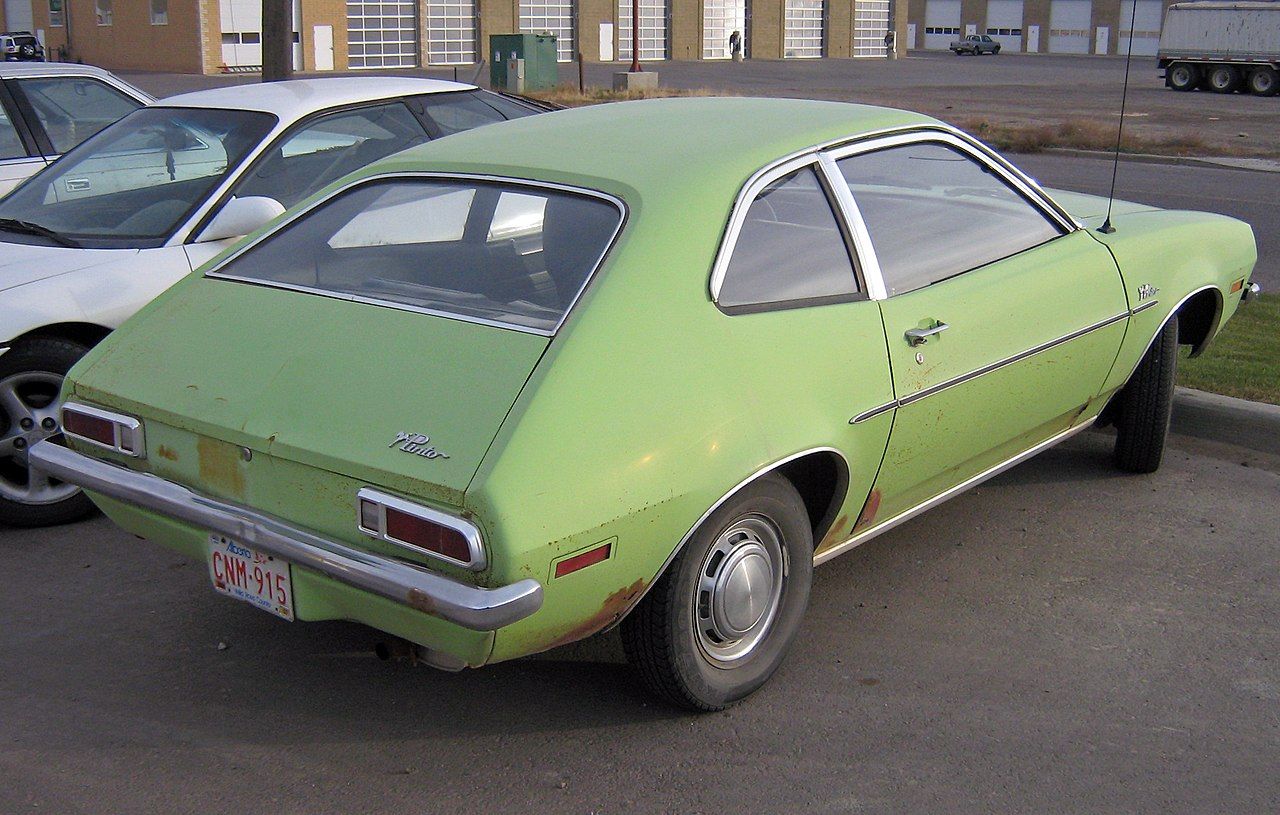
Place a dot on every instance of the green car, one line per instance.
(641, 364)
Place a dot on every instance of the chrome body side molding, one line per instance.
(885, 526)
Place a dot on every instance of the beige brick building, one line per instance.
(1040, 26)
(211, 36)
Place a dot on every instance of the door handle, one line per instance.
(919, 336)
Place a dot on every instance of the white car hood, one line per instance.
(22, 263)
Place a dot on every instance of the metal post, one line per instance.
(277, 40)
(582, 85)
(635, 37)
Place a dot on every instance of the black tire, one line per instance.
(1145, 404)
(34, 369)
(995, 51)
(1183, 76)
(1264, 81)
(1223, 79)
(666, 636)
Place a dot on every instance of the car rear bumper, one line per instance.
(471, 607)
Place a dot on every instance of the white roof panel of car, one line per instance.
(295, 98)
(19, 70)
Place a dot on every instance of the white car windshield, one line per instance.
(135, 182)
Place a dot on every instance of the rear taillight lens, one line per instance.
(114, 431)
(420, 529)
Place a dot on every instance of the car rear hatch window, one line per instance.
(504, 253)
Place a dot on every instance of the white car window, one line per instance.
(933, 213)
(73, 108)
(10, 142)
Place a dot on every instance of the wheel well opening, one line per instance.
(822, 479)
(1197, 319)
(87, 334)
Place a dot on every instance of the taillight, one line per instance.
(419, 529)
(114, 431)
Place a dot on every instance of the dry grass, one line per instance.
(571, 97)
(1090, 134)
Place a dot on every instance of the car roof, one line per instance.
(26, 70)
(650, 145)
(294, 98)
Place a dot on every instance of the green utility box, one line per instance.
(538, 52)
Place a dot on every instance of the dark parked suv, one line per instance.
(21, 46)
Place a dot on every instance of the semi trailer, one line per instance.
(1223, 47)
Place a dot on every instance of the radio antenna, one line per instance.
(1106, 227)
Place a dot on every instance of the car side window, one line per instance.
(328, 148)
(73, 108)
(790, 248)
(933, 212)
(455, 112)
(11, 146)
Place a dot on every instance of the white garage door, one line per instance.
(451, 32)
(870, 24)
(1004, 23)
(553, 17)
(720, 18)
(941, 23)
(1070, 26)
(1146, 34)
(242, 33)
(17, 15)
(653, 30)
(382, 35)
(804, 27)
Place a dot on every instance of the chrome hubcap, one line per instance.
(739, 589)
(29, 414)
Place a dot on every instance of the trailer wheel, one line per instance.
(1223, 79)
(1264, 81)
(1183, 76)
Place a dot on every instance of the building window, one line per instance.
(55, 13)
(159, 12)
(102, 10)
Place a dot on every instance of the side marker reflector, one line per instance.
(582, 561)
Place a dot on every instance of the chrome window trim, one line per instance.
(117, 420)
(866, 258)
(290, 217)
(468, 530)
(988, 368)
(850, 145)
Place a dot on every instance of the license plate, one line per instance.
(260, 580)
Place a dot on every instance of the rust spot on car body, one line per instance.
(422, 601)
(835, 534)
(614, 606)
(220, 466)
(167, 453)
(868, 515)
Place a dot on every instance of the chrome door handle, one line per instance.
(919, 336)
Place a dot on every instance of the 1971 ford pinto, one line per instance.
(501, 392)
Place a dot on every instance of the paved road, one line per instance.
(1063, 639)
(1245, 194)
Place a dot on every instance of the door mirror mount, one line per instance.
(240, 216)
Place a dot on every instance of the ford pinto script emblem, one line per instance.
(417, 444)
(1147, 291)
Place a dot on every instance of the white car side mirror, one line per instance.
(240, 216)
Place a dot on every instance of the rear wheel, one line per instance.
(31, 375)
(1144, 406)
(1183, 76)
(720, 620)
(1223, 79)
(1264, 81)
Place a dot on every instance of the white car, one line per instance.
(48, 108)
(91, 239)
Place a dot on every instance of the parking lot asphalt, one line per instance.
(1062, 639)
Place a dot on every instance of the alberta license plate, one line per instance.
(260, 580)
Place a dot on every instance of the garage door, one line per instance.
(554, 16)
(1146, 34)
(17, 15)
(451, 32)
(1004, 23)
(653, 30)
(941, 23)
(870, 24)
(1070, 26)
(804, 27)
(242, 33)
(382, 35)
(720, 18)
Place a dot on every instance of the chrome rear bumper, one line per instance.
(478, 609)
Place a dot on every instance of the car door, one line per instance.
(66, 110)
(19, 155)
(1002, 317)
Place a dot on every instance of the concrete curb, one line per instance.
(1258, 165)
(1253, 425)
